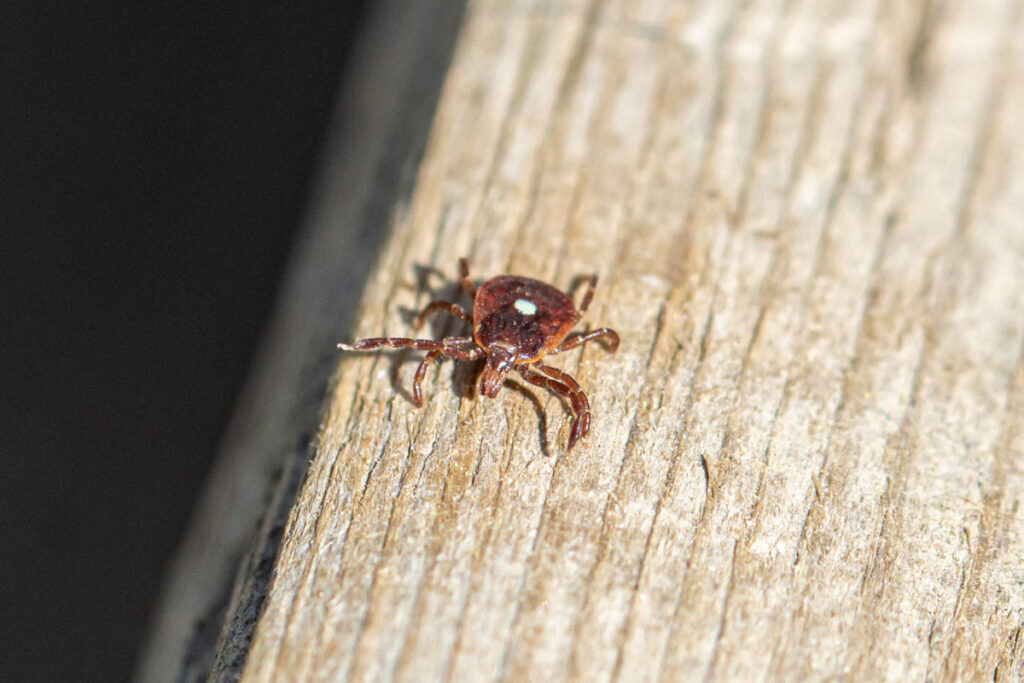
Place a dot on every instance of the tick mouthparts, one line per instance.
(346, 347)
(491, 380)
(500, 358)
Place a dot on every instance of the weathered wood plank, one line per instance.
(806, 457)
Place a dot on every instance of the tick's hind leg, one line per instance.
(464, 280)
(588, 297)
(610, 335)
(563, 385)
(454, 309)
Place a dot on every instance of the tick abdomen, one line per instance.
(523, 313)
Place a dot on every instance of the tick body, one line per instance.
(516, 322)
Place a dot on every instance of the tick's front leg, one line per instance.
(393, 342)
(564, 385)
(456, 347)
(453, 347)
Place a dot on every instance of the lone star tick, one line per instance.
(516, 322)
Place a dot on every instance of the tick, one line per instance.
(516, 322)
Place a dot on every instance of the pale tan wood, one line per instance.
(807, 458)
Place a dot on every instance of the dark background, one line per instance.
(154, 164)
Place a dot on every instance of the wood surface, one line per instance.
(807, 457)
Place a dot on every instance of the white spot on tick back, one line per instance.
(525, 306)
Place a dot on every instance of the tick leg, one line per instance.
(590, 293)
(554, 385)
(393, 342)
(455, 347)
(563, 385)
(463, 348)
(611, 339)
(466, 283)
(454, 309)
(421, 371)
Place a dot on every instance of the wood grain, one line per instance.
(807, 457)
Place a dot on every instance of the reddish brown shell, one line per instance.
(525, 314)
